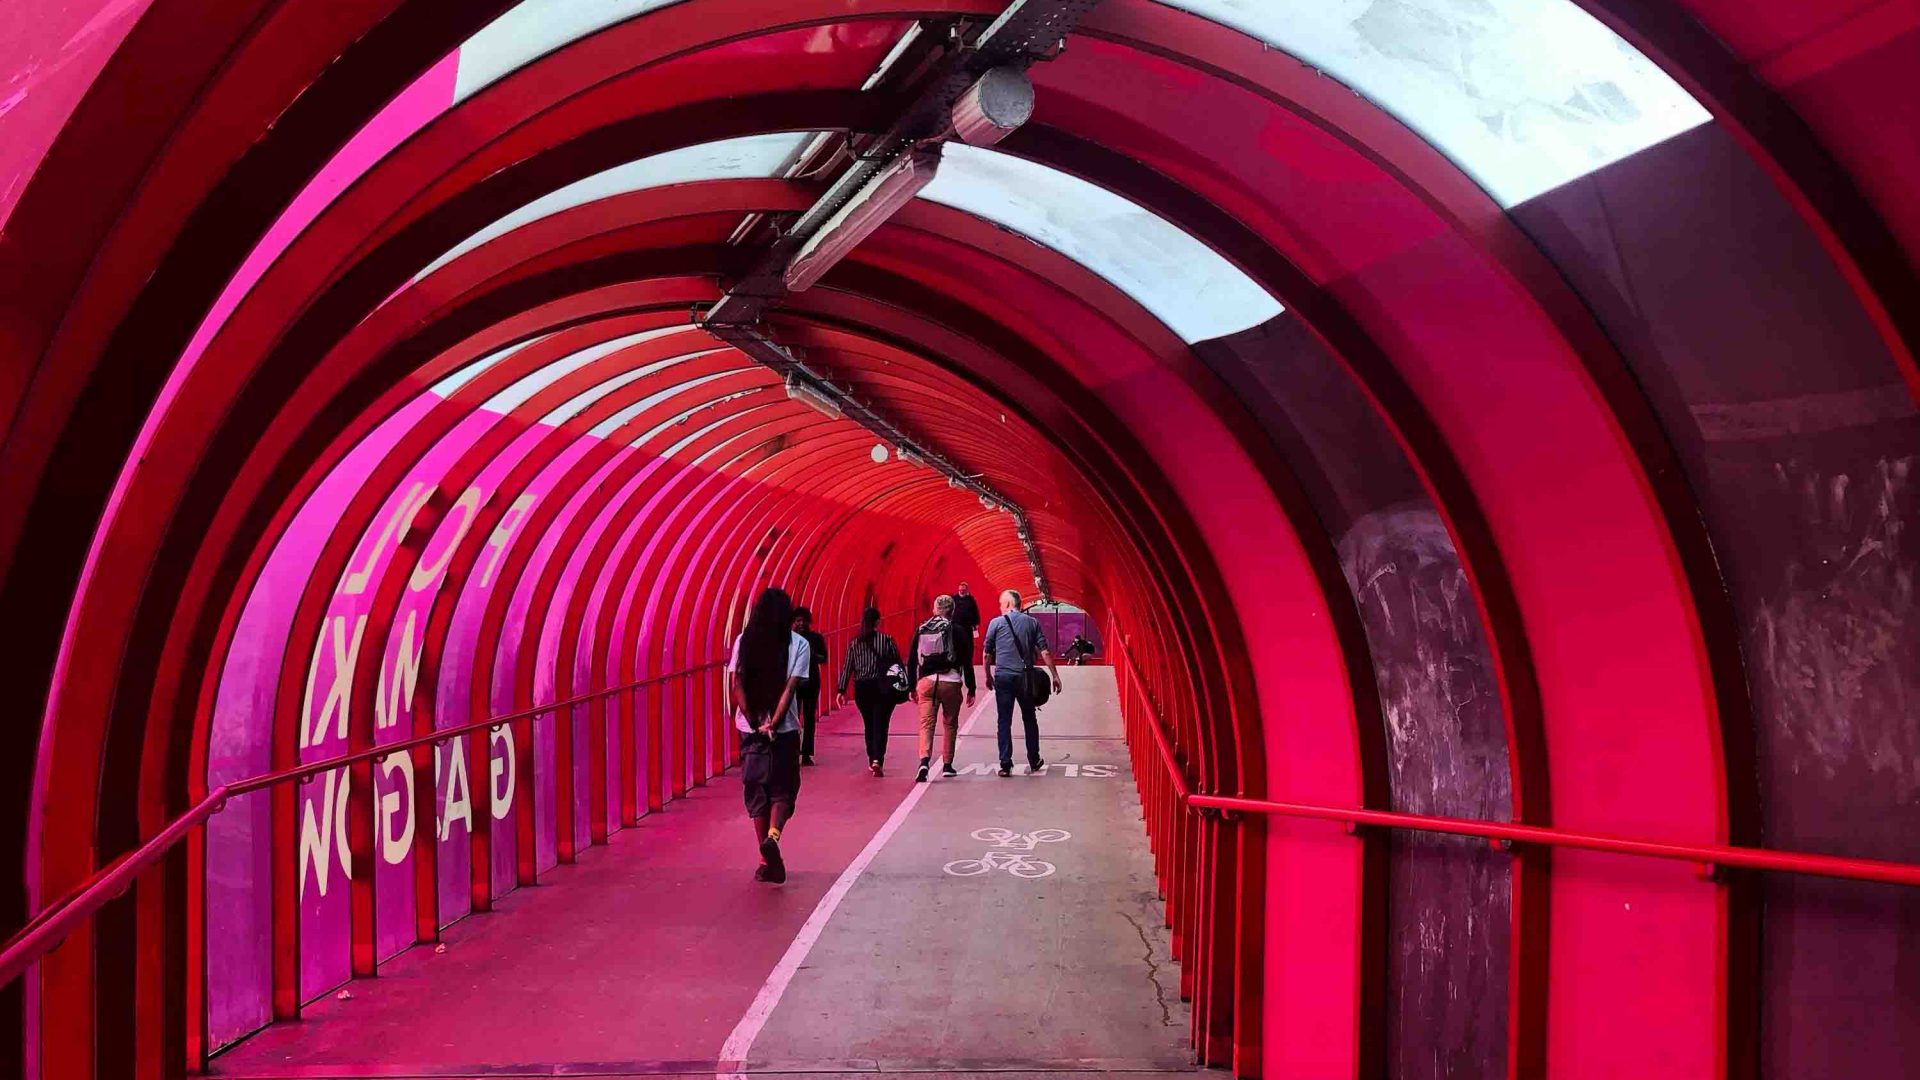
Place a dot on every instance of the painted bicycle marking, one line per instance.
(1010, 853)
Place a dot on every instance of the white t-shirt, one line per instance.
(799, 665)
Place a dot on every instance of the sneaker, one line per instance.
(806, 759)
(760, 872)
(874, 768)
(1006, 769)
(776, 867)
(921, 776)
(1036, 766)
(947, 770)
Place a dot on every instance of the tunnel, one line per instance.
(1476, 439)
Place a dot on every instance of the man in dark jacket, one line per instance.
(808, 693)
(939, 663)
(966, 612)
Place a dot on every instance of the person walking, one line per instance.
(768, 664)
(938, 666)
(1013, 640)
(869, 656)
(966, 612)
(809, 692)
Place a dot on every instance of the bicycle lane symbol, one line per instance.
(1010, 852)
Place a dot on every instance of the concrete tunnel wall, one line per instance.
(1588, 504)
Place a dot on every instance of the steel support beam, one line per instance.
(1026, 33)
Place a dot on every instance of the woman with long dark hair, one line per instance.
(870, 656)
(768, 664)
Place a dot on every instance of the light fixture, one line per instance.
(800, 391)
(879, 453)
(993, 107)
(912, 458)
(869, 208)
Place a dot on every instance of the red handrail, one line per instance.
(1712, 856)
(308, 770)
(51, 925)
(1181, 788)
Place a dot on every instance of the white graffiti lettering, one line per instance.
(395, 846)
(346, 650)
(323, 837)
(467, 506)
(503, 533)
(387, 705)
(503, 767)
(396, 528)
(459, 801)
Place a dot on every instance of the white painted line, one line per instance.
(733, 1053)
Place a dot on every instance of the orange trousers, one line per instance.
(937, 698)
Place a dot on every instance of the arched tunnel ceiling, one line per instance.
(1267, 304)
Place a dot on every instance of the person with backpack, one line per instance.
(1013, 640)
(870, 668)
(768, 664)
(938, 666)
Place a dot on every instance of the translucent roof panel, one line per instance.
(1524, 95)
(1198, 294)
(528, 385)
(532, 29)
(612, 423)
(751, 156)
(447, 386)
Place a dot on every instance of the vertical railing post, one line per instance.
(656, 751)
(478, 746)
(563, 783)
(597, 800)
(630, 768)
(525, 820)
(678, 721)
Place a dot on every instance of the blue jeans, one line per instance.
(1010, 687)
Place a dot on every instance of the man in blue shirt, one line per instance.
(1013, 641)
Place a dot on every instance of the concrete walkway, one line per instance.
(987, 925)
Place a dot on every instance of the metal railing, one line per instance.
(1711, 858)
(51, 925)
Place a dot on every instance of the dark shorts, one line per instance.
(770, 773)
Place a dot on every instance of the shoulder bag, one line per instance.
(1039, 683)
